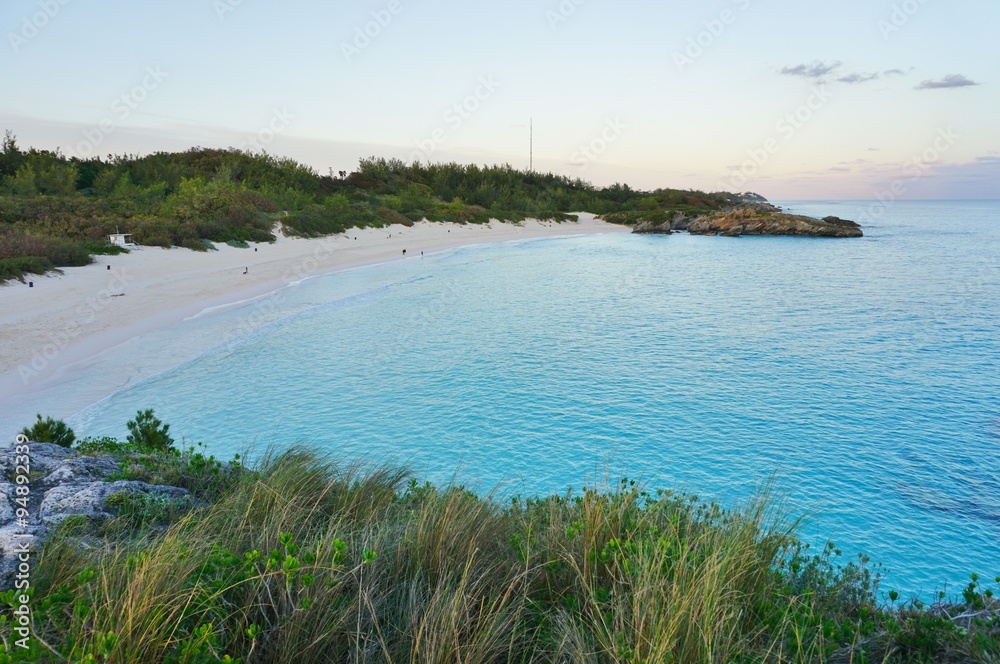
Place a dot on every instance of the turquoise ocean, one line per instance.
(862, 374)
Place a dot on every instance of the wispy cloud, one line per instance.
(858, 78)
(817, 69)
(820, 69)
(949, 81)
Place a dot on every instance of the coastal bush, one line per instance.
(103, 249)
(147, 432)
(105, 445)
(48, 430)
(137, 511)
(16, 268)
(191, 468)
(57, 251)
(180, 199)
(393, 217)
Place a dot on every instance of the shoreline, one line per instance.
(71, 319)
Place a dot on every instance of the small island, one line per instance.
(752, 219)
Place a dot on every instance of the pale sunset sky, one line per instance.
(792, 99)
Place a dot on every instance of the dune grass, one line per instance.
(303, 559)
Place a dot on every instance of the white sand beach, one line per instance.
(68, 317)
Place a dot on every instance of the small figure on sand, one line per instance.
(404, 252)
(246, 270)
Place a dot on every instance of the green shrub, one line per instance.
(16, 268)
(49, 430)
(147, 432)
(137, 511)
(103, 248)
(393, 217)
(106, 445)
(158, 241)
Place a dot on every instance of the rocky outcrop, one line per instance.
(89, 499)
(653, 228)
(756, 221)
(63, 483)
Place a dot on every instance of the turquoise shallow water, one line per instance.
(864, 374)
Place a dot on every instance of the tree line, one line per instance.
(57, 211)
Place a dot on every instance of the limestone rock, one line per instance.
(89, 499)
(652, 227)
(63, 483)
(7, 495)
(82, 469)
(17, 543)
(44, 457)
(757, 220)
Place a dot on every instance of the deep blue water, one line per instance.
(863, 373)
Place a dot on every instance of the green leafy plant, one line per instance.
(147, 432)
(49, 430)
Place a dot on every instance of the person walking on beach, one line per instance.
(404, 252)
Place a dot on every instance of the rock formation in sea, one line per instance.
(752, 220)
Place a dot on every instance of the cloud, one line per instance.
(817, 69)
(820, 69)
(949, 81)
(858, 78)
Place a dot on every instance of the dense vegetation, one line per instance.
(304, 559)
(58, 212)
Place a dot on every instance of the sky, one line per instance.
(795, 100)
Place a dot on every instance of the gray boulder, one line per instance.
(63, 483)
(89, 499)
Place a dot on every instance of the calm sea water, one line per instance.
(864, 374)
